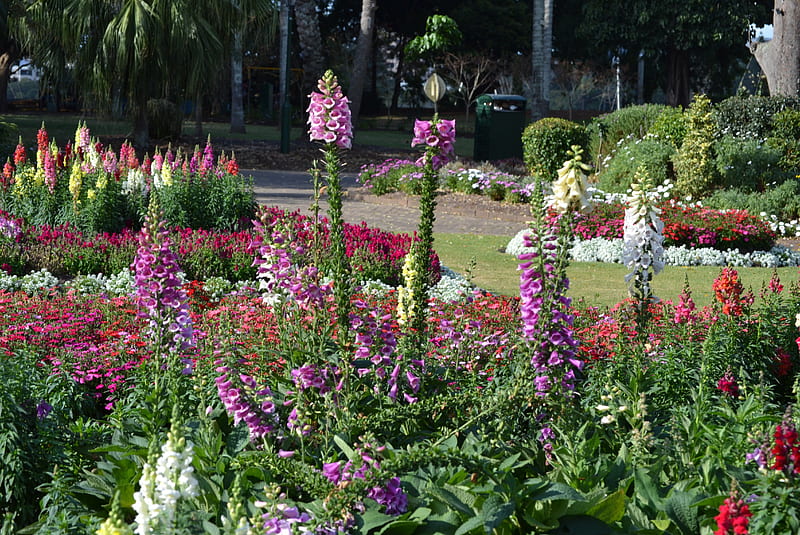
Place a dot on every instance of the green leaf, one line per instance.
(450, 499)
(680, 508)
(611, 509)
(509, 462)
(581, 525)
(237, 440)
(345, 447)
(372, 519)
(559, 491)
(471, 524)
(495, 510)
(210, 528)
(401, 527)
(644, 487)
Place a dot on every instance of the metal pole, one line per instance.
(286, 107)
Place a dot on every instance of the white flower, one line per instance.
(608, 419)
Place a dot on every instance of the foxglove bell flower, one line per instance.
(159, 290)
(329, 113)
(643, 250)
(569, 191)
(440, 135)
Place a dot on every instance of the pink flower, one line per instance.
(440, 135)
(329, 113)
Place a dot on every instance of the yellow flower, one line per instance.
(166, 173)
(569, 191)
(91, 194)
(75, 181)
(102, 180)
(405, 301)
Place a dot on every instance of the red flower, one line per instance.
(733, 518)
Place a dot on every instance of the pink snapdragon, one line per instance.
(439, 134)
(329, 114)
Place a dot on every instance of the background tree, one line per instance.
(708, 36)
(361, 62)
(541, 58)
(780, 57)
(310, 41)
(471, 75)
(9, 51)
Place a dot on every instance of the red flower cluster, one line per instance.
(728, 290)
(786, 449)
(733, 518)
(690, 226)
(727, 384)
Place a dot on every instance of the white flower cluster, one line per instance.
(135, 182)
(162, 485)
(643, 234)
(610, 251)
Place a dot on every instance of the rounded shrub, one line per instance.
(651, 153)
(747, 164)
(751, 116)
(670, 126)
(545, 144)
(606, 132)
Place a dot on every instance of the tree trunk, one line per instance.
(237, 104)
(360, 67)
(198, 115)
(307, 22)
(8, 55)
(780, 57)
(284, 64)
(541, 54)
(141, 133)
(678, 78)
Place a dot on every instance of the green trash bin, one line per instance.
(499, 122)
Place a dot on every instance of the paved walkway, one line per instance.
(292, 191)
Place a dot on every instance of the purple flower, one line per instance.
(43, 409)
(439, 135)
(329, 113)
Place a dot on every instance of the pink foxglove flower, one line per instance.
(329, 114)
(439, 134)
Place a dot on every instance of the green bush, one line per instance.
(785, 138)
(750, 116)
(782, 201)
(747, 164)
(670, 126)
(651, 153)
(607, 131)
(9, 135)
(695, 173)
(545, 144)
(164, 119)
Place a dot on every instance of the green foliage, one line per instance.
(545, 144)
(441, 34)
(164, 119)
(608, 131)
(751, 117)
(694, 161)
(651, 154)
(670, 126)
(782, 201)
(747, 165)
(9, 134)
(785, 138)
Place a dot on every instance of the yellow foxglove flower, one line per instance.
(75, 181)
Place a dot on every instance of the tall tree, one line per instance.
(676, 34)
(9, 53)
(361, 62)
(779, 58)
(541, 58)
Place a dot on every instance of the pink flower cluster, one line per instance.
(440, 135)
(159, 292)
(247, 402)
(390, 495)
(375, 342)
(329, 113)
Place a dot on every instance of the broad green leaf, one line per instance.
(680, 509)
(450, 499)
(401, 527)
(472, 524)
(372, 519)
(611, 509)
(345, 447)
(237, 440)
(509, 462)
(559, 491)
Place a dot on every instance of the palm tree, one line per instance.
(310, 38)
(541, 53)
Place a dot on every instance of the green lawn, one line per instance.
(597, 284)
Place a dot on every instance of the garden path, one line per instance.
(455, 213)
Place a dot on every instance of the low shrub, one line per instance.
(785, 138)
(545, 144)
(651, 153)
(781, 200)
(164, 119)
(391, 175)
(695, 173)
(746, 164)
(750, 117)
